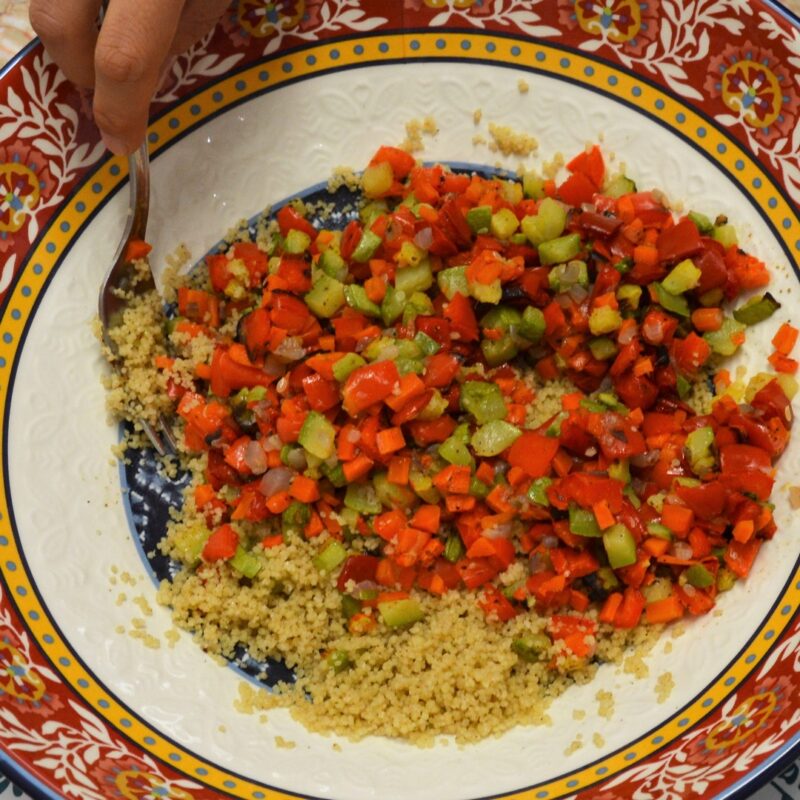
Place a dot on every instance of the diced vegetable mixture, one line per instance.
(481, 396)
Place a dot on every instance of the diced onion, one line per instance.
(578, 293)
(682, 550)
(290, 349)
(424, 238)
(297, 458)
(274, 366)
(276, 480)
(255, 457)
(500, 531)
(626, 335)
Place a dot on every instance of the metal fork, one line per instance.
(122, 278)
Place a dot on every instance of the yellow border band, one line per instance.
(311, 61)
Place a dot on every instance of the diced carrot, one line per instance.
(410, 386)
(203, 371)
(785, 339)
(163, 362)
(498, 498)
(743, 530)
(357, 468)
(655, 545)
(399, 470)
(136, 249)
(610, 608)
(677, 518)
(481, 548)
(644, 366)
(314, 526)
(458, 503)
(707, 319)
(665, 610)
(390, 440)
(645, 255)
(453, 479)
(783, 363)
(304, 489)
(427, 518)
(485, 473)
(203, 493)
(375, 289)
(605, 519)
(562, 463)
(279, 502)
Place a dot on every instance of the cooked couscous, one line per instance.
(448, 460)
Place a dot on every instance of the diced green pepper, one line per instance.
(657, 529)
(363, 498)
(683, 386)
(479, 218)
(326, 296)
(437, 405)
(418, 303)
(682, 277)
(483, 400)
(422, 485)
(245, 563)
(453, 281)
(532, 648)
(698, 446)
(334, 474)
(726, 580)
(477, 488)
(620, 470)
(332, 264)
(486, 292)
(317, 436)
(537, 493)
(547, 224)
(494, 437)
(348, 363)
(454, 548)
(757, 309)
(675, 303)
(455, 451)
(504, 224)
(582, 522)
(557, 251)
(357, 300)
(350, 606)
(339, 661)
(400, 613)
(620, 546)
(727, 340)
(698, 576)
(366, 247)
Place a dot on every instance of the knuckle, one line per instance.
(119, 62)
(46, 21)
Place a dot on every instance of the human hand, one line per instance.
(125, 60)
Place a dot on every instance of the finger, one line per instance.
(134, 41)
(197, 19)
(68, 30)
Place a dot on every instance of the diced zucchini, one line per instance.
(728, 339)
(682, 277)
(363, 498)
(698, 576)
(532, 326)
(504, 224)
(602, 348)
(332, 264)
(533, 185)
(675, 303)
(400, 613)
(357, 299)
(422, 485)
(725, 235)
(703, 223)
(428, 346)
(377, 179)
(604, 319)
(296, 517)
(479, 218)
(330, 556)
(366, 247)
(453, 281)
(486, 292)
(317, 436)
(547, 224)
(410, 255)
(499, 351)
(557, 251)
(391, 495)
(494, 437)
(454, 548)
(416, 278)
(618, 186)
(698, 446)
(620, 546)
(533, 647)
(437, 405)
(726, 580)
(620, 470)
(629, 294)
(392, 305)
(296, 242)
(418, 303)
(455, 451)
(245, 563)
(326, 296)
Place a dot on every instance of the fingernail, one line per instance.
(117, 146)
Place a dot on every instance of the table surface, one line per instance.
(15, 33)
